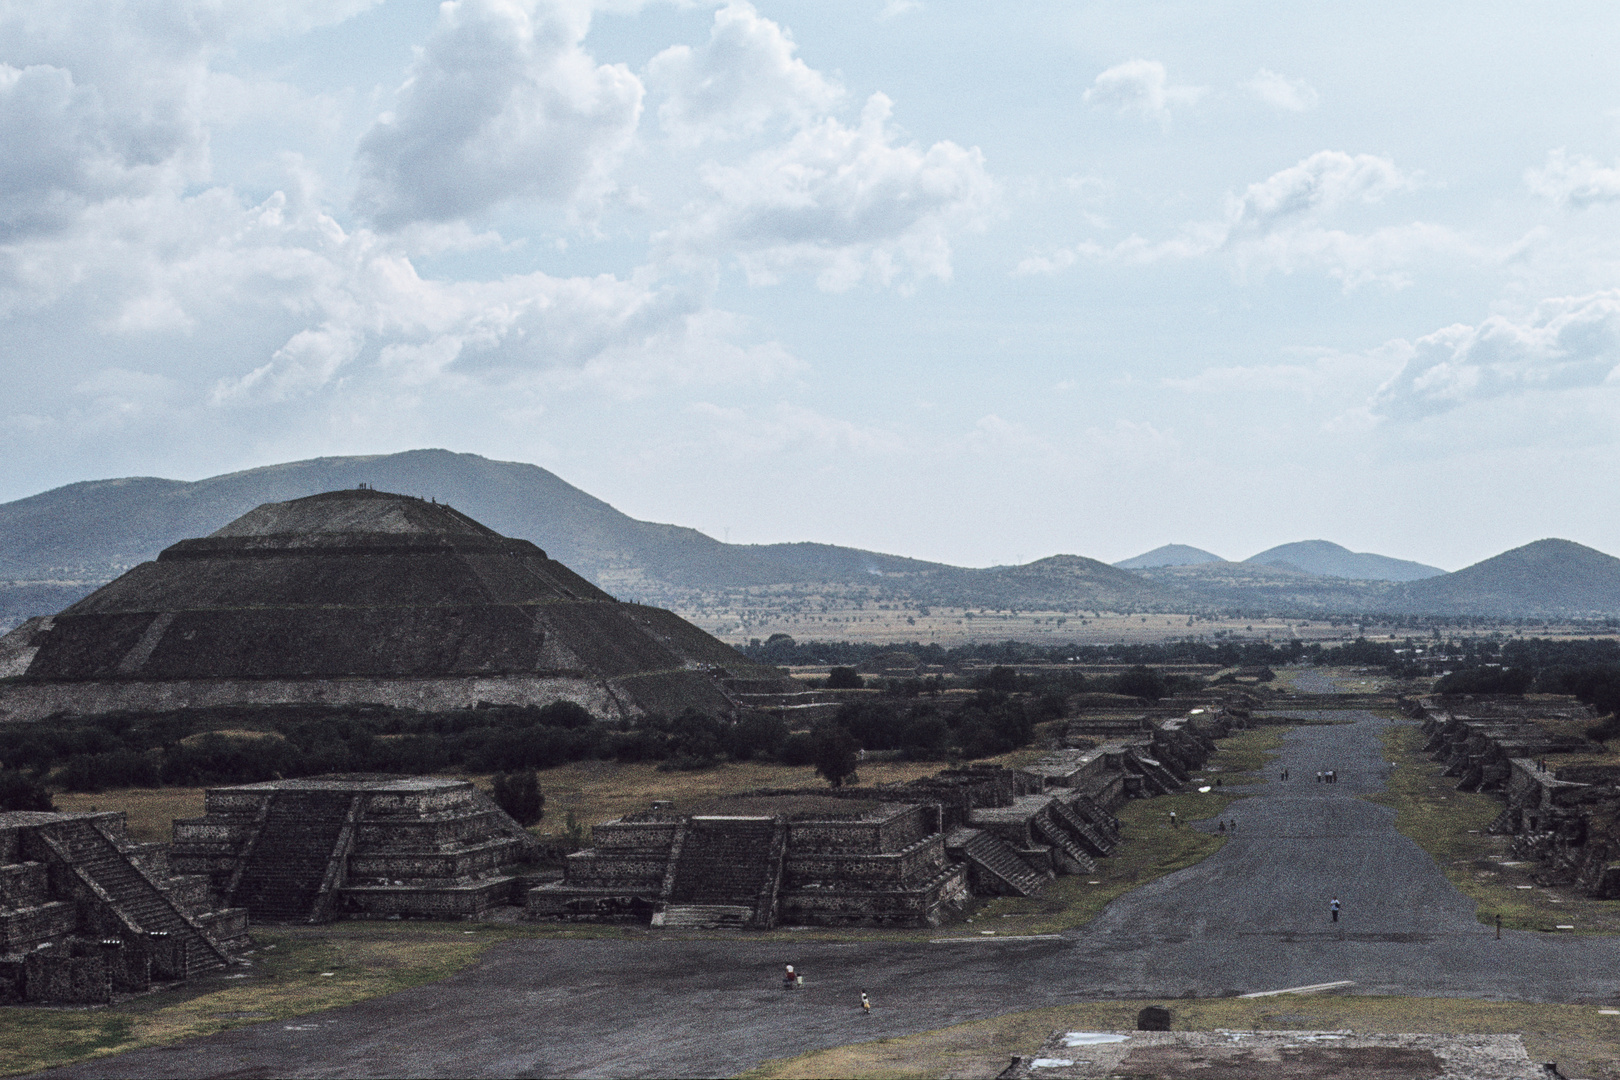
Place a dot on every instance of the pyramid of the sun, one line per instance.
(364, 597)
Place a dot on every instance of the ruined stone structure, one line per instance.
(86, 913)
(1562, 791)
(364, 597)
(354, 846)
(901, 855)
(881, 866)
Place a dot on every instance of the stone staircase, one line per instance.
(992, 857)
(128, 892)
(723, 861)
(1091, 839)
(1156, 775)
(1052, 831)
(704, 917)
(1100, 819)
(282, 875)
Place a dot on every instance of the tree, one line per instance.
(836, 754)
(1001, 679)
(19, 791)
(843, 678)
(1142, 682)
(518, 793)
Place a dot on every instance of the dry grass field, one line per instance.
(851, 618)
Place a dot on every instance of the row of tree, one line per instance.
(243, 745)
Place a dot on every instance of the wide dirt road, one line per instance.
(1252, 917)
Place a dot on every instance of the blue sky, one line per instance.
(978, 283)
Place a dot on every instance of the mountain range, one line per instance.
(1321, 557)
(60, 544)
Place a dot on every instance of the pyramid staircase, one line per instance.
(726, 865)
(994, 859)
(1092, 839)
(1092, 811)
(1050, 829)
(294, 863)
(104, 867)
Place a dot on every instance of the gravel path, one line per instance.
(1253, 917)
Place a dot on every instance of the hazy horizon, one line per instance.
(969, 285)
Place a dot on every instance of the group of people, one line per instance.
(792, 980)
(1329, 777)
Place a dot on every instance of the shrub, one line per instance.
(518, 793)
(19, 791)
(836, 753)
(844, 678)
(798, 749)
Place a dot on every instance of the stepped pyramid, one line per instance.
(365, 597)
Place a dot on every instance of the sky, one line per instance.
(966, 282)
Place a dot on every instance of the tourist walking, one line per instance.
(866, 1004)
(1334, 907)
(1173, 824)
(790, 979)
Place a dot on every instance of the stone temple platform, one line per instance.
(355, 846)
(1276, 1055)
(879, 865)
(85, 912)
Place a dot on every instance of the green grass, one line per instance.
(1450, 826)
(1581, 1041)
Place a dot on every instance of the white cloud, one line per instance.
(1284, 224)
(1577, 181)
(1565, 343)
(745, 76)
(1141, 87)
(501, 104)
(846, 203)
(1281, 92)
(895, 8)
(1325, 181)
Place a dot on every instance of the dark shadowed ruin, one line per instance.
(355, 846)
(364, 597)
(85, 912)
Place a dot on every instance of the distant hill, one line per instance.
(1330, 560)
(59, 545)
(1169, 555)
(1549, 578)
(77, 537)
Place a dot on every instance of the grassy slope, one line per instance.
(1450, 826)
(1581, 1041)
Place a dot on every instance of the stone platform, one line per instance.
(355, 847)
(85, 912)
